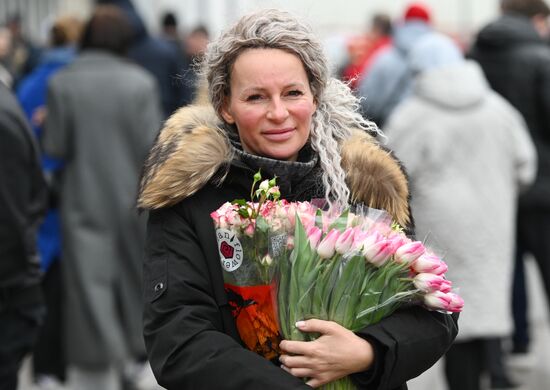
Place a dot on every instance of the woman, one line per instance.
(275, 108)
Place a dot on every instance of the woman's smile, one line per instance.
(279, 135)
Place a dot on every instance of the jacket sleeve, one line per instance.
(183, 325)
(15, 179)
(22, 185)
(525, 155)
(56, 140)
(406, 344)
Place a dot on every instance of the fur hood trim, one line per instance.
(192, 147)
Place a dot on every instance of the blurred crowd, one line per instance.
(471, 125)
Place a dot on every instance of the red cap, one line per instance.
(417, 11)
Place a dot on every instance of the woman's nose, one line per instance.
(277, 110)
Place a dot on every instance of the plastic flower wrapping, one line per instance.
(288, 261)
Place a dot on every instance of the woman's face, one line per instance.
(271, 103)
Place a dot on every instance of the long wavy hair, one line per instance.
(337, 110)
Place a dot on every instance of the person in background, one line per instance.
(169, 24)
(468, 154)
(6, 77)
(366, 49)
(196, 43)
(170, 34)
(389, 79)
(156, 56)
(274, 107)
(24, 55)
(23, 198)
(103, 115)
(515, 57)
(48, 354)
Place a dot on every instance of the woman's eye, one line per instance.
(295, 92)
(254, 97)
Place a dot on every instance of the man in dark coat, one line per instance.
(516, 60)
(158, 57)
(23, 201)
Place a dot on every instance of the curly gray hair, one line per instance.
(337, 110)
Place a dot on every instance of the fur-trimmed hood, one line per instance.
(192, 148)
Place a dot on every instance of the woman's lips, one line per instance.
(278, 135)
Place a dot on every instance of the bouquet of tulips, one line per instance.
(353, 267)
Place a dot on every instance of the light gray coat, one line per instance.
(103, 115)
(468, 153)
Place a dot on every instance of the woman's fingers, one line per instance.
(317, 326)
(295, 347)
(296, 361)
(298, 372)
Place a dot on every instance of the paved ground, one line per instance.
(531, 371)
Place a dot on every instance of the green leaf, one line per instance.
(261, 224)
(239, 202)
(341, 222)
(319, 219)
(350, 271)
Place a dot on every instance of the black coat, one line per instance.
(516, 62)
(23, 197)
(190, 334)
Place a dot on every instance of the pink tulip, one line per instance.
(359, 236)
(446, 286)
(344, 242)
(290, 212)
(429, 263)
(379, 252)
(371, 238)
(441, 269)
(456, 304)
(290, 243)
(428, 282)
(326, 248)
(437, 300)
(314, 235)
(409, 252)
(398, 240)
(307, 219)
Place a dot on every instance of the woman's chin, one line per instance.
(282, 155)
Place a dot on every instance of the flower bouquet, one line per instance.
(353, 267)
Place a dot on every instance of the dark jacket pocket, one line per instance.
(155, 276)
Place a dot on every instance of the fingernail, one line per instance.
(300, 324)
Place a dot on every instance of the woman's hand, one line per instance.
(338, 352)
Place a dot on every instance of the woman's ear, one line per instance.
(226, 113)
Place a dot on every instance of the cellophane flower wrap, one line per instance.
(353, 267)
(251, 239)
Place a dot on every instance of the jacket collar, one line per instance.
(192, 149)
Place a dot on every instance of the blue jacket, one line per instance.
(31, 93)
